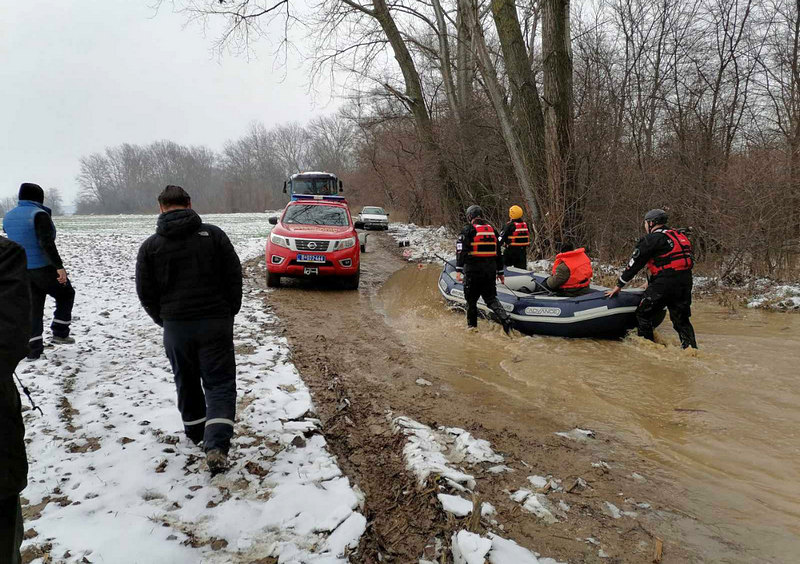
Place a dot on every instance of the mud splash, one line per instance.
(723, 422)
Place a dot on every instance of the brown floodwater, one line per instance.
(724, 422)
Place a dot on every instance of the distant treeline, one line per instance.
(247, 175)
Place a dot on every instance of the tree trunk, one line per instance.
(557, 53)
(444, 61)
(525, 103)
(465, 64)
(497, 97)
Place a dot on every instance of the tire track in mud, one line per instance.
(359, 370)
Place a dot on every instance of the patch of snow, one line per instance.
(425, 242)
(602, 553)
(109, 404)
(423, 382)
(611, 510)
(577, 434)
(474, 450)
(499, 469)
(601, 464)
(535, 503)
(424, 452)
(638, 477)
(538, 481)
(563, 505)
(469, 548)
(782, 297)
(487, 509)
(455, 504)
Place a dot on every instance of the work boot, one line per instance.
(217, 461)
(34, 355)
(63, 340)
(507, 326)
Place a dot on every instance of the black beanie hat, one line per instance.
(30, 191)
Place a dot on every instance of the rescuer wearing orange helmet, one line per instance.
(572, 271)
(479, 261)
(516, 239)
(667, 253)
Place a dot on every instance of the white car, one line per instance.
(374, 217)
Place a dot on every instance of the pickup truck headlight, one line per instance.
(278, 240)
(348, 243)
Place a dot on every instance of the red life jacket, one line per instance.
(484, 244)
(520, 237)
(678, 258)
(580, 268)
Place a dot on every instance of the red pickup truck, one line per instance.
(315, 236)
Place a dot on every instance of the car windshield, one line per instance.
(374, 211)
(314, 214)
(325, 186)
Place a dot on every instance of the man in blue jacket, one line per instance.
(31, 226)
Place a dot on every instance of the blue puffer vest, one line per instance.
(18, 225)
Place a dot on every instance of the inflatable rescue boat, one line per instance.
(534, 309)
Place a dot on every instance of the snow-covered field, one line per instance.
(112, 477)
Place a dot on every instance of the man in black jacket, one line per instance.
(667, 253)
(189, 280)
(14, 331)
(478, 258)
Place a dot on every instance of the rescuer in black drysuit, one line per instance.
(14, 330)
(189, 280)
(667, 253)
(478, 258)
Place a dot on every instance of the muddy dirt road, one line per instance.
(362, 360)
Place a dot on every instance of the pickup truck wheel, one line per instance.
(273, 280)
(351, 282)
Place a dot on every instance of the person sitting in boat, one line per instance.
(572, 272)
(478, 262)
(516, 239)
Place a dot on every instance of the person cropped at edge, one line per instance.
(572, 271)
(479, 260)
(516, 239)
(667, 253)
(31, 226)
(189, 280)
(14, 331)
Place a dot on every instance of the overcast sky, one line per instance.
(77, 76)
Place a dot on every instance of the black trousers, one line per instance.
(43, 282)
(482, 285)
(10, 529)
(204, 365)
(516, 257)
(674, 292)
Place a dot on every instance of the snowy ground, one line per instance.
(113, 479)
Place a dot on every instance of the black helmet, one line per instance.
(656, 216)
(473, 212)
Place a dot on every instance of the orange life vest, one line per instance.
(580, 268)
(680, 257)
(484, 244)
(520, 237)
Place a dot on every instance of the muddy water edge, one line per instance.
(362, 352)
(724, 423)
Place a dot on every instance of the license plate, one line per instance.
(311, 270)
(311, 258)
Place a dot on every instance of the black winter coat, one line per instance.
(188, 270)
(14, 332)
